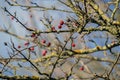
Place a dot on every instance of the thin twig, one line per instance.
(113, 66)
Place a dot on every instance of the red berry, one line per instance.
(33, 35)
(43, 41)
(12, 17)
(48, 45)
(26, 44)
(73, 45)
(19, 46)
(82, 68)
(61, 22)
(53, 28)
(60, 26)
(31, 48)
(44, 52)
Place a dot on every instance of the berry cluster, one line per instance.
(60, 24)
(26, 44)
(44, 52)
(43, 42)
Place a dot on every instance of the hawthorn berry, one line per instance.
(82, 68)
(31, 48)
(60, 26)
(44, 52)
(53, 28)
(26, 44)
(33, 35)
(73, 45)
(43, 41)
(19, 46)
(12, 17)
(48, 45)
(61, 22)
